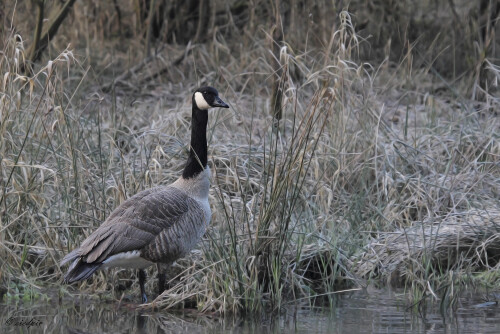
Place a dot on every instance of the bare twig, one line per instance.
(150, 27)
(34, 51)
(37, 48)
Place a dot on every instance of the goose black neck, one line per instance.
(197, 160)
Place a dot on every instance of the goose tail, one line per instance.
(79, 269)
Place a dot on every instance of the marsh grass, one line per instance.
(372, 174)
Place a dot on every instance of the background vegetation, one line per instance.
(362, 144)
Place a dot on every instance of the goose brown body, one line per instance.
(162, 223)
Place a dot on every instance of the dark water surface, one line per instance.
(380, 311)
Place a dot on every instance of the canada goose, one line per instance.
(157, 225)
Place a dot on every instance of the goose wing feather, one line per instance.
(138, 222)
(174, 242)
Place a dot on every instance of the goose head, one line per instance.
(207, 97)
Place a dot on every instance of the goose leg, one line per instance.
(162, 275)
(142, 280)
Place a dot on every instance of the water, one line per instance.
(381, 311)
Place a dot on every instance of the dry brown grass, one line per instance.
(380, 170)
(466, 240)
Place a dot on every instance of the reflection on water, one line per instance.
(357, 312)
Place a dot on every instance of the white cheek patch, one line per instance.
(201, 103)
